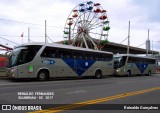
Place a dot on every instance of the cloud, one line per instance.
(34, 11)
(143, 15)
(150, 8)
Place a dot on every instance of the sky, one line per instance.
(17, 15)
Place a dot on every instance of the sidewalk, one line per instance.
(157, 72)
(2, 74)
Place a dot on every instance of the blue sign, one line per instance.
(130, 65)
(48, 61)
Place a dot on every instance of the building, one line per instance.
(157, 59)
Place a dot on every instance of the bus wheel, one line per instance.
(149, 73)
(128, 73)
(43, 76)
(98, 74)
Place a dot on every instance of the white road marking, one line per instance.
(8, 84)
(125, 82)
(76, 92)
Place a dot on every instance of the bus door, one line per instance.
(24, 59)
(23, 71)
(23, 63)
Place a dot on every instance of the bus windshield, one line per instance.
(119, 62)
(22, 55)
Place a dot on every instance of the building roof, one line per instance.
(122, 49)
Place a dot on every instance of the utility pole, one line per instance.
(28, 35)
(152, 48)
(45, 31)
(128, 38)
(147, 44)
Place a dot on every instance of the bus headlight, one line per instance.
(117, 70)
(13, 70)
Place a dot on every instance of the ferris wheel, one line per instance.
(87, 26)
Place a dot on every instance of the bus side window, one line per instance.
(63, 53)
(94, 56)
(134, 60)
(53, 52)
(89, 56)
(130, 60)
(146, 61)
(109, 57)
(44, 53)
(153, 61)
(67, 54)
(83, 55)
(74, 55)
(49, 52)
(99, 56)
(77, 55)
(52, 55)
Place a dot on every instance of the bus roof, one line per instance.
(132, 55)
(63, 46)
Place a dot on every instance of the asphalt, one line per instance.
(70, 91)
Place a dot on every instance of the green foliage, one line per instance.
(106, 22)
(106, 28)
(65, 32)
(66, 42)
(104, 42)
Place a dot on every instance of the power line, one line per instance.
(28, 23)
(18, 36)
(9, 40)
(124, 40)
(141, 44)
(26, 36)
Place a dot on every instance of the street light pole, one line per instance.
(128, 38)
(152, 48)
(45, 31)
(147, 44)
(28, 35)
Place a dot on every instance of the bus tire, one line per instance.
(128, 73)
(98, 74)
(149, 73)
(43, 75)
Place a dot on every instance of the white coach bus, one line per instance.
(42, 61)
(127, 64)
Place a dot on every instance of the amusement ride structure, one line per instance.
(87, 26)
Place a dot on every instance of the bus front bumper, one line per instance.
(119, 72)
(11, 72)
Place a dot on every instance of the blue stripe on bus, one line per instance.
(79, 66)
(141, 67)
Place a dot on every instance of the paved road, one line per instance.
(107, 91)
